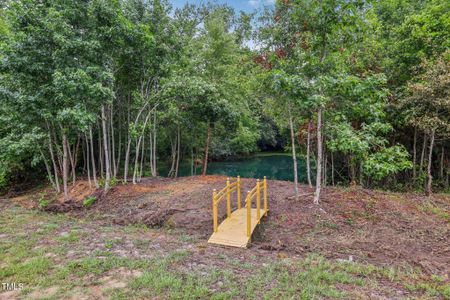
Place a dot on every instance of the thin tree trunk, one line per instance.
(308, 154)
(441, 168)
(155, 170)
(83, 148)
(72, 163)
(100, 151)
(127, 153)
(57, 150)
(415, 154)
(94, 171)
(55, 167)
(422, 156)
(294, 156)
(142, 159)
(88, 161)
(75, 153)
(332, 168)
(192, 161)
(65, 167)
(119, 152)
(178, 151)
(138, 147)
(208, 140)
(430, 156)
(173, 151)
(113, 146)
(47, 167)
(319, 157)
(151, 152)
(127, 160)
(105, 146)
(325, 162)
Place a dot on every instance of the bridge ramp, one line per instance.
(233, 230)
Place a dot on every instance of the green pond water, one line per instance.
(274, 166)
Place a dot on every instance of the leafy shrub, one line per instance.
(43, 203)
(89, 201)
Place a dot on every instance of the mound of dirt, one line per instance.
(370, 226)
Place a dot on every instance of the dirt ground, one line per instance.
(367, 226)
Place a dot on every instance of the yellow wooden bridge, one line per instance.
(236, 230)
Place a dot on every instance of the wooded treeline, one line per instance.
(110, 90)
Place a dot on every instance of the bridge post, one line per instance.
(239, 192)
(248, 201)
(215, 211)
(265, 195)
(258, 200)
(228, 198)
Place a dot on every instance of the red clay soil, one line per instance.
(377, 227)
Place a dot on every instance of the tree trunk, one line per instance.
(72, 163)
(178, 151)
(88, 160)
(332, 168)
(138, 147)
(151, 151)
(55, 167)
(441, 168)
(415, 154)
(422, 156)
(173, 153)
(65, 167)
(319, 157)
(127, 160)
(100, 151)
(119, 152)
(94, 171)
(113, 146)
(142, 159)
(325, 162)
(208, 140)
(308, 154)
(105, 146)
(154, 146)
(430, 156)
(47, 167)
(294, 156)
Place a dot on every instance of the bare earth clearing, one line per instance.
(358, 244)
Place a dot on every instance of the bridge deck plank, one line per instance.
(233, 230)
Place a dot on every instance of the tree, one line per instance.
(428, 105)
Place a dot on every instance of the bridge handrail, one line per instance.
(256, 193)
(218, 196)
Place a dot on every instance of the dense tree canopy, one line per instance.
(112, 90)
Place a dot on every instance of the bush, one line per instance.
(43, 203)
(89, 201)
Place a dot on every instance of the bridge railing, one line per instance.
(227, 191)
(255, 193)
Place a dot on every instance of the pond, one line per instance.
(274, 166)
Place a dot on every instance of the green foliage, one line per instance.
(89, 201)
(43, 203)
(387, 162)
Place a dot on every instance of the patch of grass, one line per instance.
(436, 210)
(31, 271)
(71, 237)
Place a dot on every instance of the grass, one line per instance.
(71, 258)
(436, 210)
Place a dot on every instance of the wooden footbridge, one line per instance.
(236, 230)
